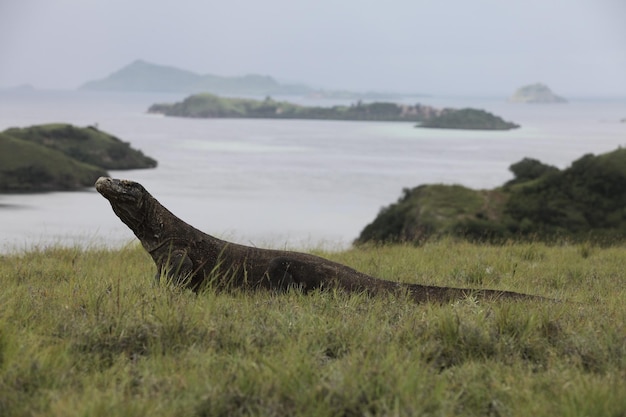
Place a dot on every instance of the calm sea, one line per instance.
(286, 183)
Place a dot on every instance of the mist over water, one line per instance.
(286, 183)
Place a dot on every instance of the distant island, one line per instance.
(535, 93)
(470, 119)
(142, 76)
(61, 157)
(212, 106)
(22, 88)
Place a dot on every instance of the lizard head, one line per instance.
(127, 199)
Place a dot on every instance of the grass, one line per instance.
(88, 332)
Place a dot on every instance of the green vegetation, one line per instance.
(212, 106)
(88, 145)
(583, 202)
(468, 119)
(61, 157)
(588, 199)
(529, 169)
(88, 333)
(436, 209)
(26, 166)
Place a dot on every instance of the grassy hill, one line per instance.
(437, 210)
(586, 199)
(583, 201)
(87, 333)
(88, 145)
(27, 167)
(62, 157)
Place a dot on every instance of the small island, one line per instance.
(62, 157)
(470, 119)
(535, 93)
(212, 106)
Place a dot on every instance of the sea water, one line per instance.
(286, 183)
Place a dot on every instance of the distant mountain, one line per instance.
(22, 88)
(536, 93)
(142, 76)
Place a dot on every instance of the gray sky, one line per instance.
(577, 47)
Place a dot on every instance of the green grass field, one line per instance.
(88, 333)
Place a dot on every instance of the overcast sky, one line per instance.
(577, 47)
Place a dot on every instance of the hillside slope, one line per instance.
(62, 157)
(28, 167)
(583, 201)
(88, 145)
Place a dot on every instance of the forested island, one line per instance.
(582, 202)
(212, 106)
(61, 157)
(470, 119)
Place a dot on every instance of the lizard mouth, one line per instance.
(112, 188)
(108, 187)
(103, 183)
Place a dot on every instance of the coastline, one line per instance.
(288, 183)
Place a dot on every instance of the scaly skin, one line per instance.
(193, 258)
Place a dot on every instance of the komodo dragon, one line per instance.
(192, 258)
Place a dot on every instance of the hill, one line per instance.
(29, 167)
(435, 210)
(584, 201)
(472, 119)
(535, 93)
(88, 145)
(62, 157)
(142, 76)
